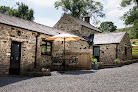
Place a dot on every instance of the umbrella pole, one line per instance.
(64, 54)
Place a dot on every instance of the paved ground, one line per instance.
(122, 79)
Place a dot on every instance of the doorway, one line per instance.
(15, 58)
(96, 52)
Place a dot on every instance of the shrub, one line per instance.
(117, 60)
(93, 59)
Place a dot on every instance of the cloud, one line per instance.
(113, 12)
(112, 4)
(46, 21)
(44, 3)
(40, 3)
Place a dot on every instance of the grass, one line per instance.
(135, 51)
(136, 43)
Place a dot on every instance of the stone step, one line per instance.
(109, 66)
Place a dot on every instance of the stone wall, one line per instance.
(28, 44)
(69, 25)
(42, 60)
(125, 42)
(83, 58)
(107, 53)
(27, 40)
(87, 31)
(70, 46)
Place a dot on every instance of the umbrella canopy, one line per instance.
(64, 37)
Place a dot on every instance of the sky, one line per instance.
(47, 14)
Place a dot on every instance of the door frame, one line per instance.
(15, 42)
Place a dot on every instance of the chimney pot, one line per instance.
(87, 18)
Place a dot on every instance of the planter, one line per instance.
(95, 66)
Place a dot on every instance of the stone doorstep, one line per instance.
(109, 66)
(37, 74)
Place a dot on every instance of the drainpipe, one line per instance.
(116, 50)
(36, 50)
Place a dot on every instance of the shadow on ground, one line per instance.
(76, 72)
(6, 80)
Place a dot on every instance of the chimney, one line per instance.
(87, 18)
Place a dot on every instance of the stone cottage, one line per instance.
(109, 46)
(106, 47)
(23, 45)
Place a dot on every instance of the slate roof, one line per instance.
(108, 38)
(33, 26)
(83, 23)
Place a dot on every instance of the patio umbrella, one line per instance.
(64, 37)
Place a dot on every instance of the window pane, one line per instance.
(43, 49)
(48, 48)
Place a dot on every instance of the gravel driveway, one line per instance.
(121, 79)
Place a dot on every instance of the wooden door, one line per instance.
(96, 52)
(15, 58)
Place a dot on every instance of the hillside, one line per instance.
(132, 33)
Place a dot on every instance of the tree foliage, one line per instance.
(125, 3)
(78, 8)
(22, 11)
(131, 16)
(107, 26)
(5, 10)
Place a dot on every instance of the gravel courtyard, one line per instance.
(121, 79)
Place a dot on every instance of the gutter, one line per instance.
(36, 49)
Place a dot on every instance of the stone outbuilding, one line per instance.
(110, 46)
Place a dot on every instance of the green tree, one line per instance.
(78, 8)
(5, 10)
(107, 26)
(22, 11)
(131, 16)
(125, 3)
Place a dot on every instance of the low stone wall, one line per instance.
(101, 65)
(83, 62)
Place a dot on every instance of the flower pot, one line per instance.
(95, 66)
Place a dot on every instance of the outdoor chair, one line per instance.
(57, 63)
(56, 60)
(72, 63)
